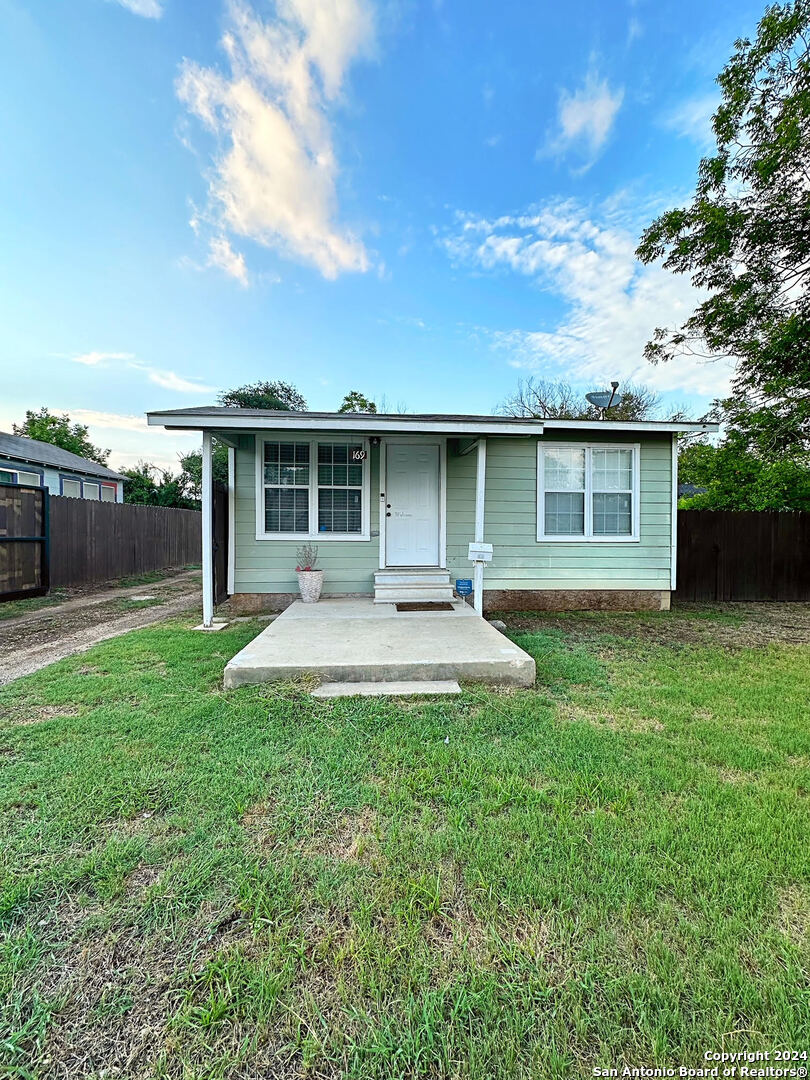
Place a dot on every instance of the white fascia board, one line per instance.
(366, 425)
(665, 427)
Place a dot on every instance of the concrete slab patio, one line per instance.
(355, 640)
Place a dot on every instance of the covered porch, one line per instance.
(355, 641)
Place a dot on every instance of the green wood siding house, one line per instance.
(578, 514)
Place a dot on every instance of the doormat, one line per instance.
(425, 607)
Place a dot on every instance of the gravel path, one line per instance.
(38, 638)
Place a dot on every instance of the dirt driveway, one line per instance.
(30, 641)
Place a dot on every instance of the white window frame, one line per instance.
(313, 534)
(114, 489)
(11, 472)
(91, 484)
(35, 482)
(69, 480)
(587, 537)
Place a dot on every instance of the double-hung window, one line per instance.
(587, 492)
(313, 489)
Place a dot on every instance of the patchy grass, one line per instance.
(10, 609)
(152, 577)
(612, 868)
(133, 603)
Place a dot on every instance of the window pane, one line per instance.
(565, 514)
(107, 493)
(612, 515)
(286, 509)
(91, 491)
(31, 478)
(72, 488)
(340, 510)
(564, 468)
(6, 477)
(612, 470)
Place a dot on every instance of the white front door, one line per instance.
(412, 501)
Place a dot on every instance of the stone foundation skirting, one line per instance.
(576, 599)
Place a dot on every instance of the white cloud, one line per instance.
(132, 440)
(611, 303)
(169, 380)
(221, 254)
(93, 359)
(634, 30)
(692, 119)
(274, 177)
(150, 9)
(585, 117)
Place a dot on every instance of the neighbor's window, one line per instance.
(7, 477)
(108, 493)
(72, 488)
(286, 487)
(587, 492)
(30, 478)
(313, 488)
(340, 488)
(91, 491)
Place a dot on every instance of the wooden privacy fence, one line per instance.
(96, 541)
(743, 555)
(23, 541)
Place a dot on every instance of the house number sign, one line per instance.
(357, 454)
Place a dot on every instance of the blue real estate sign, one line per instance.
(464, 586)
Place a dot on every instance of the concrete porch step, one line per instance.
(412, 594)
(412, 585)
(404, 688)
(404, 575)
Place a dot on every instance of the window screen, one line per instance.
(340, 488)
(286, 487)
(91, 491)
(30, 478)
(72, 488)
(107, 493)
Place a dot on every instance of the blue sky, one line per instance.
(422, 201)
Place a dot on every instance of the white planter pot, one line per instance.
(310, 583)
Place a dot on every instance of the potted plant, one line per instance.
(310, 580)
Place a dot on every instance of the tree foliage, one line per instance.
(745, 237)
(357, 402)
(738, 478)
(156, 487)
(191, 469)
(273, 394)
(549, 399)
(59, 431)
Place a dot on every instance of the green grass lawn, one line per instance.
(614, 868)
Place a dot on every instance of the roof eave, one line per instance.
(367, 424)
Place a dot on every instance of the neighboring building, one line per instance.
(686, 491)
(580, 513)
(41, 464)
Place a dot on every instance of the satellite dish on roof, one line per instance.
(604, 399)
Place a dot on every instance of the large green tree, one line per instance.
(745, 238)
(354, 401)
(156, 487)
(59, 431)
(191, 469)
(272, 394)
(738, 478)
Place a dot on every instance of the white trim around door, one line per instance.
(441, 443)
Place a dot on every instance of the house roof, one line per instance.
(216, 417)
(34, 452)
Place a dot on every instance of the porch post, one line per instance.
(480, 492)
(207, 524)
